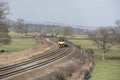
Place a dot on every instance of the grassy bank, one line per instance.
(104, 70)
(19, 42)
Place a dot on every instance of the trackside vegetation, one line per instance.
(103, 70)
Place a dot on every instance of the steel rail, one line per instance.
(27, 61)
(25, 65)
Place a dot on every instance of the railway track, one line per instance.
(37, 62)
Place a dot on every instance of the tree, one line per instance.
(116, 32)
(103, 39)
(4, 10)
(25, 30)
(67, 31)
(117, 23)
(4, 37)
(19, 26)
(57, 31)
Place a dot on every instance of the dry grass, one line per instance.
(10, 57)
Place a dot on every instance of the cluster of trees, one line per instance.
(106, 37)
(21, 27)
(4, 37)
(58, 31)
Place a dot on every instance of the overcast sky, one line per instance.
(73, 12)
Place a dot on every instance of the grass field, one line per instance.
(19, 42)
(103, 70)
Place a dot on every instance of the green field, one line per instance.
(19, 42)
(103, 70)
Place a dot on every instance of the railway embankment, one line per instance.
(77, 66)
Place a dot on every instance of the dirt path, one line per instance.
(10, 57)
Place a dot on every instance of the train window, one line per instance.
(61, 39)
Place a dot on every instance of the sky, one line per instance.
(72, 12)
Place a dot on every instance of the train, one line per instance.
(61, 42)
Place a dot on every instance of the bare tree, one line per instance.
(117, 23)
(19, 26)
(116, 33)
(102, 38)
(57, 31)
(67, 31)
(4, 10)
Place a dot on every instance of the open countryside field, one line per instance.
(103, 70)
(19, 42)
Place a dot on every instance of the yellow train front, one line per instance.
(61, 43)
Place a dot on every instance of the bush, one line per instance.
(68, 70)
